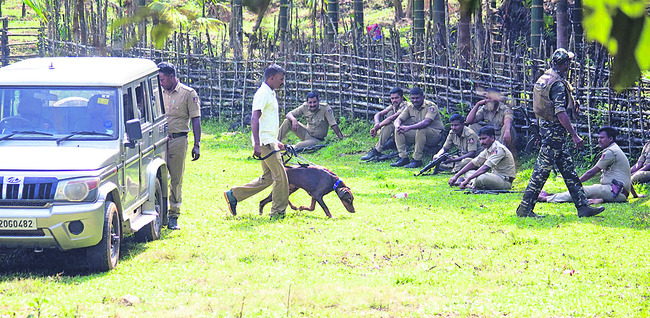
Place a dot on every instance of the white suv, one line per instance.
(83, 144)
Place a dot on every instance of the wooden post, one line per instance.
(5, 42)
(536, 26)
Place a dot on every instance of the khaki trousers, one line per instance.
(641, 177)
(457, 165)
(307, 140)
(273, 173)
(384, 134)
(488, 181)
(594, 191)
(176, 153)
(420, 137)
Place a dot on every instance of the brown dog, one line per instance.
(317, 182)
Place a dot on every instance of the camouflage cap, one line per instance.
(560, 56)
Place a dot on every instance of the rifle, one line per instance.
(434, 163)
(485, 191)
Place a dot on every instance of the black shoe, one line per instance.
(385, 157)
(373, 153)
(400, 163)
(589, 211)
(414, 164)
(524, 213)
(173, 224)
(232, 202)
(389, 144)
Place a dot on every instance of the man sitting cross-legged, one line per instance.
(615, 179)
(495, 157)
(464, 139)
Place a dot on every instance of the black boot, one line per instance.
(589, 211)
(526, 213)
(372, 154)
(389, 144)
(400, 163)
(414, 164)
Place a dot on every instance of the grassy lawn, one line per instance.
(435, 253)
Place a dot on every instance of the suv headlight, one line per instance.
(81, 189)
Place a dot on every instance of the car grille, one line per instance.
(37, 232)
(26, 191)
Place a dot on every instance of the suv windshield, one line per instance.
(57, 112)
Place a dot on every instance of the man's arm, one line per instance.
(422, 124)
(377, 118)
(196, 131)
(507, 125)
(472, 113)
(470, 154)
(483, 169)
(466, 168)
(293, 120)
(566, 123)
(590, 174)
(336, 129)
(255, 127)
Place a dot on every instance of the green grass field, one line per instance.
(437, 252)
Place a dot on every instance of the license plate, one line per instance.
(17, 224)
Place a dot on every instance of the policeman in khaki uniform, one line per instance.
(419, 123)
(464, 139)
(615, 179)
(551, 99)
(494, 111)
(385, 127)
(181, 108)
(319, 118)
(495, 157)
(641, 169)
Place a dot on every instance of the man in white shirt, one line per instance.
(264, 126)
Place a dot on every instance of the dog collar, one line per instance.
(338, 182)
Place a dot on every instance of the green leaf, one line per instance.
(159, 34)
(597, 23)
(643, 48)
(626, 31)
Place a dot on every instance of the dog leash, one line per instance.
(289, 153)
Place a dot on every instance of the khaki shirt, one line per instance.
(429, 109)
(265, 100)
(498, 158)
(397, 109)
(496, 118)
(466, 142)
(181, 104)
(615, 165)
(318, 122)
(645, 154)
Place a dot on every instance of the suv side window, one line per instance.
(127, 99)
(142, 103)
(156, 98)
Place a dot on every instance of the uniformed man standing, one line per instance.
(464, 139)
(319, 118)
(615, 179)
(264, 132)
(418, 124)
(495, 157)
(181, 107)
(551, 98)
(385, 127)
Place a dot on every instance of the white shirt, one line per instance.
(266, 101)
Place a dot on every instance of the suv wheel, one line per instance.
(105, 255)
(151, 231)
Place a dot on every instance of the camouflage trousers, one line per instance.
(549, 156)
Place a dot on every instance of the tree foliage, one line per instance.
(623, 27)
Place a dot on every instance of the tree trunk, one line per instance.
(439, 22)
(358, 18)
(576, 18)
(536, 25)
(284, 19)
(409, 9)
(562, 24)
(464, 38)
(480, 30)
(332, 21)
(236, 29)
(24, 10)
(418, 23)
(399, 13)
(79, 22)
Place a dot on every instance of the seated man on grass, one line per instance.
(464, 139)
(418, 124)
(615, 179)
(385, 127)
(496, 157)
(319, 118)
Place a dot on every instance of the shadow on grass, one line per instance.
(249, 221)
(50, 262)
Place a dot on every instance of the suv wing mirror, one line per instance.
(133, 131)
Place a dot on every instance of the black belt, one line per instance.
(176, 135)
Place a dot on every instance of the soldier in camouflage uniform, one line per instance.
(551, 98)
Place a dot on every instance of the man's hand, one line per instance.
(507, 137)
(373, 131)
(196, 152)
(257, 150)
(463, 184)
(402, 129)
(280, 145)
(294, 125)
(578, 141)
(452, 181)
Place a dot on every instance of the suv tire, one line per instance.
(105, 255)
(151, 231)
